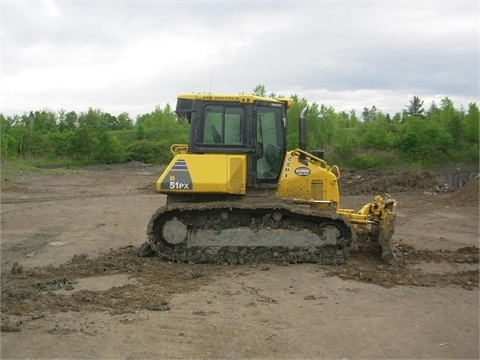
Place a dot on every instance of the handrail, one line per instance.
(323, 164)
(179, 149)
(336, 171)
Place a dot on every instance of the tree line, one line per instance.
(414, 137)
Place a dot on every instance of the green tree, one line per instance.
(369, 115)
(451, 119)
(347, 145)
(353, 119)
(140, 132)
(415, 109)
(43, 121)
(67, 120)
(377, 135)
(328, 126)
(8, 142)
(60, 145)
(124, 121)
(471, 123)
(161, 119)
(293, 113)
(343, 120)
(108, 149)
(91, 131)
(109, 121)
(424, 141)
(260, 90)
(437, 136)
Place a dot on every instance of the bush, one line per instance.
(108, 149)
(364, 161)
(147, 151)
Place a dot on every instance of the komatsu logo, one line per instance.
(178, 178)
(302, 171)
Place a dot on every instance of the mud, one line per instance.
(36, 290)
(29, 291)
(72, 285)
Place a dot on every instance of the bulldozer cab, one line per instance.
(239, 124)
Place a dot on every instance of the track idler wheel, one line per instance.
(174, 231)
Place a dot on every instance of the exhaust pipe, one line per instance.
(302, 130)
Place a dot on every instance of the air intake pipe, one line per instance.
(302, 130)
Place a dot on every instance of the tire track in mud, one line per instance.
(147, 189)
(65, 198)
(35, 290)
(364, 266)
(25, 291)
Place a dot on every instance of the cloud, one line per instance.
(52, 10)
(130, 56)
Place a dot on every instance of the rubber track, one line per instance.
(196, 216)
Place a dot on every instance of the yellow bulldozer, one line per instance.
(235, 194)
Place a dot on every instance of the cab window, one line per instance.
(223, 125)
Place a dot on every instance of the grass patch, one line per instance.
(14, 168)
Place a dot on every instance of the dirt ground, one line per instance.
(72, 285)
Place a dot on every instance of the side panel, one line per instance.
(307, 180)
(205, 173)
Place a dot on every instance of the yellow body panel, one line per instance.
(307, 178)
(205, 173)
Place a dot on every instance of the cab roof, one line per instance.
(241, 98)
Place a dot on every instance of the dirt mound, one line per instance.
(468, 194)
(354, 182)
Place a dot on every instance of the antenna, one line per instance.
(211, 76)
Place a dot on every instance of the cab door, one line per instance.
(270, 122)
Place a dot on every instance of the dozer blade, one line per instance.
(387, 227)
(386, 212)
(375, 222)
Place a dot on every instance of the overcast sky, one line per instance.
(133, 55)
